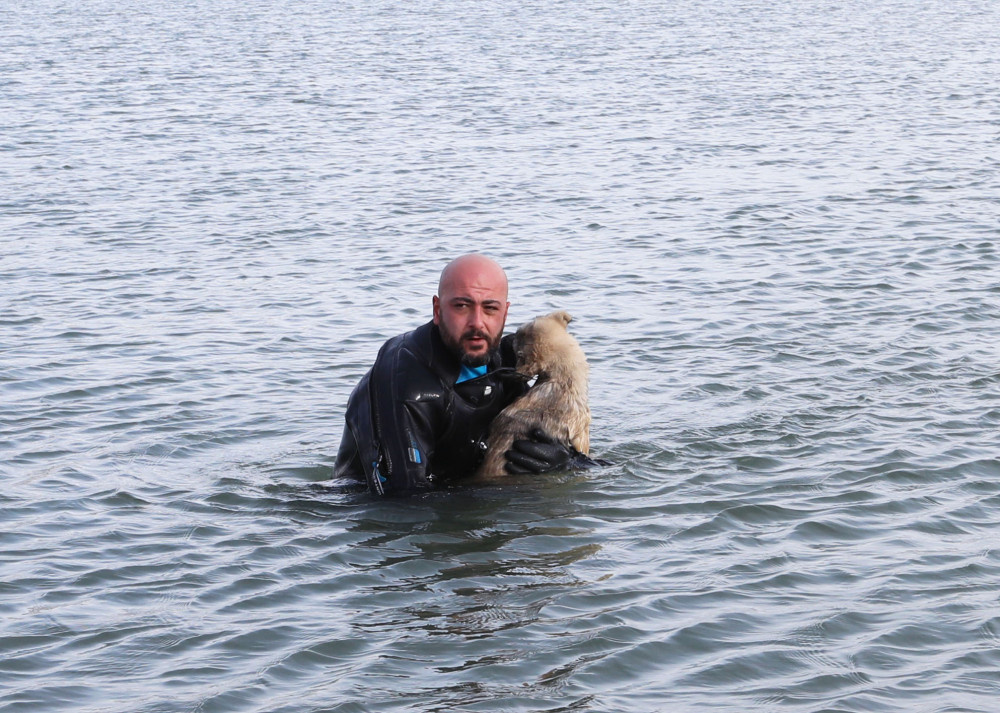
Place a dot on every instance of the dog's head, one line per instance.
(544, 346)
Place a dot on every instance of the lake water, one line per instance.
(776, 225)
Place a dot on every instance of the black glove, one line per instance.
(540, 453)
(515, 384)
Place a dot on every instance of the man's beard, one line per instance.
(473, 360)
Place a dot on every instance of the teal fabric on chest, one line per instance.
(470, 372)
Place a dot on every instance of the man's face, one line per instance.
(471, 312)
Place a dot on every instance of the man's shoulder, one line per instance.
(417, 342)
(419, 351)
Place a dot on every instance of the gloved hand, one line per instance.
(540, 453)
(515, 384)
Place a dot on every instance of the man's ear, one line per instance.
(436, 305)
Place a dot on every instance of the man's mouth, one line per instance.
(475, 341)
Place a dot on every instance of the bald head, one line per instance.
(472, 268)
(470, 307)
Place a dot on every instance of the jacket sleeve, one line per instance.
(406, 403)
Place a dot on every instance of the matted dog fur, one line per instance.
(557, 403)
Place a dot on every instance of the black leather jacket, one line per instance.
(410, 426)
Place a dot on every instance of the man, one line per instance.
(421, 415)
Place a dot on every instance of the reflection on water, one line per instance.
(775, 227)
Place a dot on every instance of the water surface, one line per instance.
(775, 224)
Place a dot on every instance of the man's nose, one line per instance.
(477, 317)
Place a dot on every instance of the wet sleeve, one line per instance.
(405, 404)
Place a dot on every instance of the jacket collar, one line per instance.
(438, 357)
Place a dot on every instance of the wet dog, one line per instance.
(556, 404)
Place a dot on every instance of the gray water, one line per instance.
(776, 225)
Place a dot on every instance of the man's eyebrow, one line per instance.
(489, 301)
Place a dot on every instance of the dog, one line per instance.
(557, 403)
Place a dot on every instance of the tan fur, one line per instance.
(557, 403)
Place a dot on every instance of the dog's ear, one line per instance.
(562, 316)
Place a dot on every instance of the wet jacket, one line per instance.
(410, 426)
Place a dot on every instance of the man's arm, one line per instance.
(404, 426)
